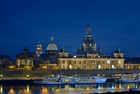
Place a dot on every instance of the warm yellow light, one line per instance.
(44, 90)
(128, 87)
(57, 90)
(11, 91)
(102, 87)
(88, 88)
(28, 75)
(44, 67)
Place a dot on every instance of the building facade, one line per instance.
(90, 63)
(89, 58)
(25, 60)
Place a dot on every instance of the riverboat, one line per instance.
(59, 79)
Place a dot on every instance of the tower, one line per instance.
(88, 32)
(38, 49)
(88, 44)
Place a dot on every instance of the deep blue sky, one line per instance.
(115, 24)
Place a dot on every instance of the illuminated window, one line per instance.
(70, 66)
(108, 61)
(99, 66)
(119, 61)
(112, 66)
(28, 63)
(90, 44)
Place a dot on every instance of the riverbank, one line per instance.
(41, 73)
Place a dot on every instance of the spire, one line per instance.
(51, 39)
(88, 31)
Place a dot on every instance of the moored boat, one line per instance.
(52, 80)
(71, 80)
(129, 78)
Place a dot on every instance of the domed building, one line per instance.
(51, 48)
(52, 51)
(88, 44)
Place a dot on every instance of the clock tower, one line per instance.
(38, 49)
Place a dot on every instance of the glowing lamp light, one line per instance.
(1, 75)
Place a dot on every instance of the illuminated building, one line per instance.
(132, 63)
(62, 53)
(25, 59)
(49, 60)
(52, 52)
(88, 58)
(39, 49)
(88, 44)
(47, 65)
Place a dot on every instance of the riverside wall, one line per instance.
(41, 73)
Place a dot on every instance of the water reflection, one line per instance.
(1, 89)
(44, 91)
(11, 91)
(27, 90)
(72, 89)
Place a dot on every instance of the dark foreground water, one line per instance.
(69, 89)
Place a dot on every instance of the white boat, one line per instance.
(52, 80)
(71, 80)
(89, 80)
(129, 78)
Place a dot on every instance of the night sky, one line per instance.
(114, 23)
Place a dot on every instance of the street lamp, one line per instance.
(28, 75)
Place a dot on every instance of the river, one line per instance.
(68, 89)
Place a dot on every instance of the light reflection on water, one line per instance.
(69, 89)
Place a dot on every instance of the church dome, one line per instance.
(89, 43)
(52, 46)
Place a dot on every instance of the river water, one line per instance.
(69, 89)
